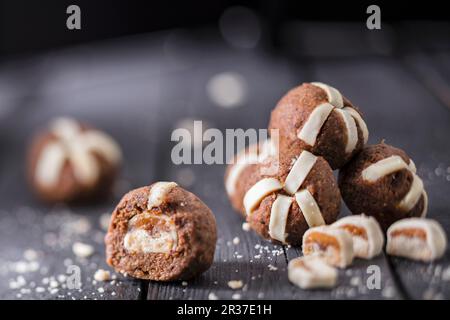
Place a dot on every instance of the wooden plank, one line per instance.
(38, 262)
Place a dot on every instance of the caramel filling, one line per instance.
(410, 233)
(151, 233)
(320, 241)
(354, 230)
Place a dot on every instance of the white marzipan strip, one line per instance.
(352, 130)
(158, 193)
(236, 171)
(412, 166)
(65, 128)
(85, 166)
(103, 144)
(278, 217)
(50, 164)
(310, 209)
(258, 191)
(413, 195)
(334, 96)
(299, 171)
(425, 205)
(312, 126)
(362, 124)
(383, 167)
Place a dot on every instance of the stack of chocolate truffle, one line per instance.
(285, 185)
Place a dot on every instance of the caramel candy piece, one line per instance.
(333, 244)
(310, 272)
(416, 239)
(366, 233)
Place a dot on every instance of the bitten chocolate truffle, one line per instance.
(381, 181)
(71, 161)
(161, 232)
(317, 118)
(285, 195)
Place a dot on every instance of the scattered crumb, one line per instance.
(102, 275)
(62, 278)
(246, 226)
(236, 241)
(272, 268)
(24, 266)
(82, 250)
(30, 255)
(17, 283)
(235, 284)
(104, 221)
(184, 283)
(101, 290)
(236, 296)
(212, 296)
(260, 295)
(53, 284)
(78, 226)
(355, 281)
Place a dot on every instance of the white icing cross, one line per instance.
(282, 204)
(78, 147)
(392, 164)
(158, 193)
(245, 158)
(311, 128)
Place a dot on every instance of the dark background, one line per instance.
(29, 26)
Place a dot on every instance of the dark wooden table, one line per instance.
(140, 89)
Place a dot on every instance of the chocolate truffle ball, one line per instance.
(287, 194)
(70, 161)
(239, 171)
(381, 181)
(317, 118)
(161, 232)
